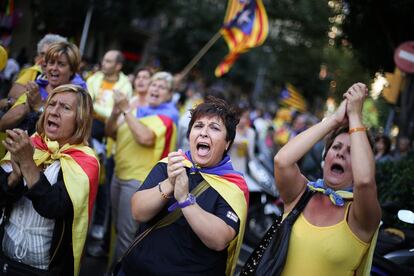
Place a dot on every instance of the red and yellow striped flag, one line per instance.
(245, 27)
(291, 97)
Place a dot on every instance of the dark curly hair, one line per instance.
(213, 107)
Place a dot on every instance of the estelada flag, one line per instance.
(291, 97)
(245, 27)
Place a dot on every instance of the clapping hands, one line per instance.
(177, 175)
(34, 98)
(21, 150)
(352, 104)
(121, 102)
(355, 97)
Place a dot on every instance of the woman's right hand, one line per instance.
(19, 145)
(34, 98)
(121, 101)
(340, 115)
(356, 95)
(175, 165)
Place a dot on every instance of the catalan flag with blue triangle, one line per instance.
(291, 97)
(245, 26)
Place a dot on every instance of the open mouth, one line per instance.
(54, 75)
(52, 125)
(337, 168)
(203, 149)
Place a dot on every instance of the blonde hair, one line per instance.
(84, 112)
(70, 50)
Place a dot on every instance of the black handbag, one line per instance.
(269, 256)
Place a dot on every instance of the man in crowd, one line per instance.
(102, 86)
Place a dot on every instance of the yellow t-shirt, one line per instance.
(319, 251)
(135, 161)
(104, 101)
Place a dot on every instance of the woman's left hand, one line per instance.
(181, 188)
(356, 95)
(19, 145)
(121, 101)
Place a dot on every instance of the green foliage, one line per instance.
(297, 39)
(376, 28)
(395, 183)
(190, 25)
(344, 69)
(384, 109)
(293, 52)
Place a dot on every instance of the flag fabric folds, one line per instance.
(290, 96)
(245, 27)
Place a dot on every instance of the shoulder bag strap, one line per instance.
(303, 201)
(255, 258)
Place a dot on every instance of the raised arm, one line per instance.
(366, 212)
(15, 115)
(111, 125)
(289, 179)
(142, 134)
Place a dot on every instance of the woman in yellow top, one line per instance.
(144, 135)
(328, 238)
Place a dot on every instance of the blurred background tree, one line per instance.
(321, 47)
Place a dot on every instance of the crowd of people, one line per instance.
(117, 159)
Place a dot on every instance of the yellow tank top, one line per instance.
(332, 250)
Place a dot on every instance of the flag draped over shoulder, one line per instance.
(80, 169)
(161, 120)
(245, 26)
(291, 97)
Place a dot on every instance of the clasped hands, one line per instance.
(352, 104)
(34, 99)
(177, 175)
(21, 151)
(121, 103)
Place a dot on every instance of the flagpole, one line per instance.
(199, 55)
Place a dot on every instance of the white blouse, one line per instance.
(28, 235)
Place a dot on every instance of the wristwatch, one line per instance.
(190, 200)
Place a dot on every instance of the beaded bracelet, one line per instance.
(355, 129)
(164, 195)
